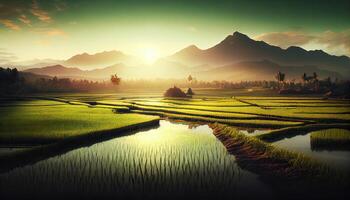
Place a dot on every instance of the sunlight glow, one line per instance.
(150, 55)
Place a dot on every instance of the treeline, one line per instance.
(12, 81)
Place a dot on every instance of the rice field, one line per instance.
(330, 138)
(172, 159)
(43, 121)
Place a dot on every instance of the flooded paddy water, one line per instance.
(338, 159)
(173, 159)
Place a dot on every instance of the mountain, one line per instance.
(76, 73)
(99, 60)
(160, 69)
(238, 47)
(36, 63)
(261, 70)
(241, 71)
(236, 58)
(56, 70)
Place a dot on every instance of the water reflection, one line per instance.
(253, 132)
(173, 159)
(301, 143)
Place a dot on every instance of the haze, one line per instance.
(60, 29)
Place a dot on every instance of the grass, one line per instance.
(210, 108)
(57, 117)
(170, 160)
(275, 135)
(330, 138)
(43, 124)
(323, 114)
(254, 123)
(266, 158)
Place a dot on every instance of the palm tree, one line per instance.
(189, 91)
(315, 76)
(115, 79)
(280, 77)
(304, 77)
(190, 78)
(315, 81)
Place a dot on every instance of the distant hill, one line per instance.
(99, 60)
(56, 70)
(238, 47)
(31, 77)
(36, 63)
(160, 69)
(76, 73)
(261, 70)
(236, 58)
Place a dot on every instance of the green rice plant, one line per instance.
(279, 134)
(324, 114)
(330, 138)
(306, 167)
(172, 159)
(257, 123)
(46, 124)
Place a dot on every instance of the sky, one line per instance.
(59, 29)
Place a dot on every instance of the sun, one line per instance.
(150, 55)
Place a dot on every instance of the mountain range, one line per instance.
(239, 47)
(74, 72)
(98, 60)
(236, 58)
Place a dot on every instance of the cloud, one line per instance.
(23, 18)
(12, 9)
(334, 40)
(41, 14)
(43, 42)
(286, 39)
(10, 24)
(50, 32)
(60, 5)
(55, 32)
(6, 57)
(338, 42)
(12, 12)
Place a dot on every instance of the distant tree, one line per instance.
(190, 92)
(280, 77)
(316, 83)
(115, 79)
(315, 76)
(304, 77)
(328, 81)
(190, 78)
(175, 92)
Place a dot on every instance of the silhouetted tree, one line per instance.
(315, 77)
(189, 78)
(190, 92)
(115, 79)
(175, 92)
(280, 78)
(304, 78)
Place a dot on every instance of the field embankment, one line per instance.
(286, 169)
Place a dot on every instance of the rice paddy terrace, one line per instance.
(251, 144)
